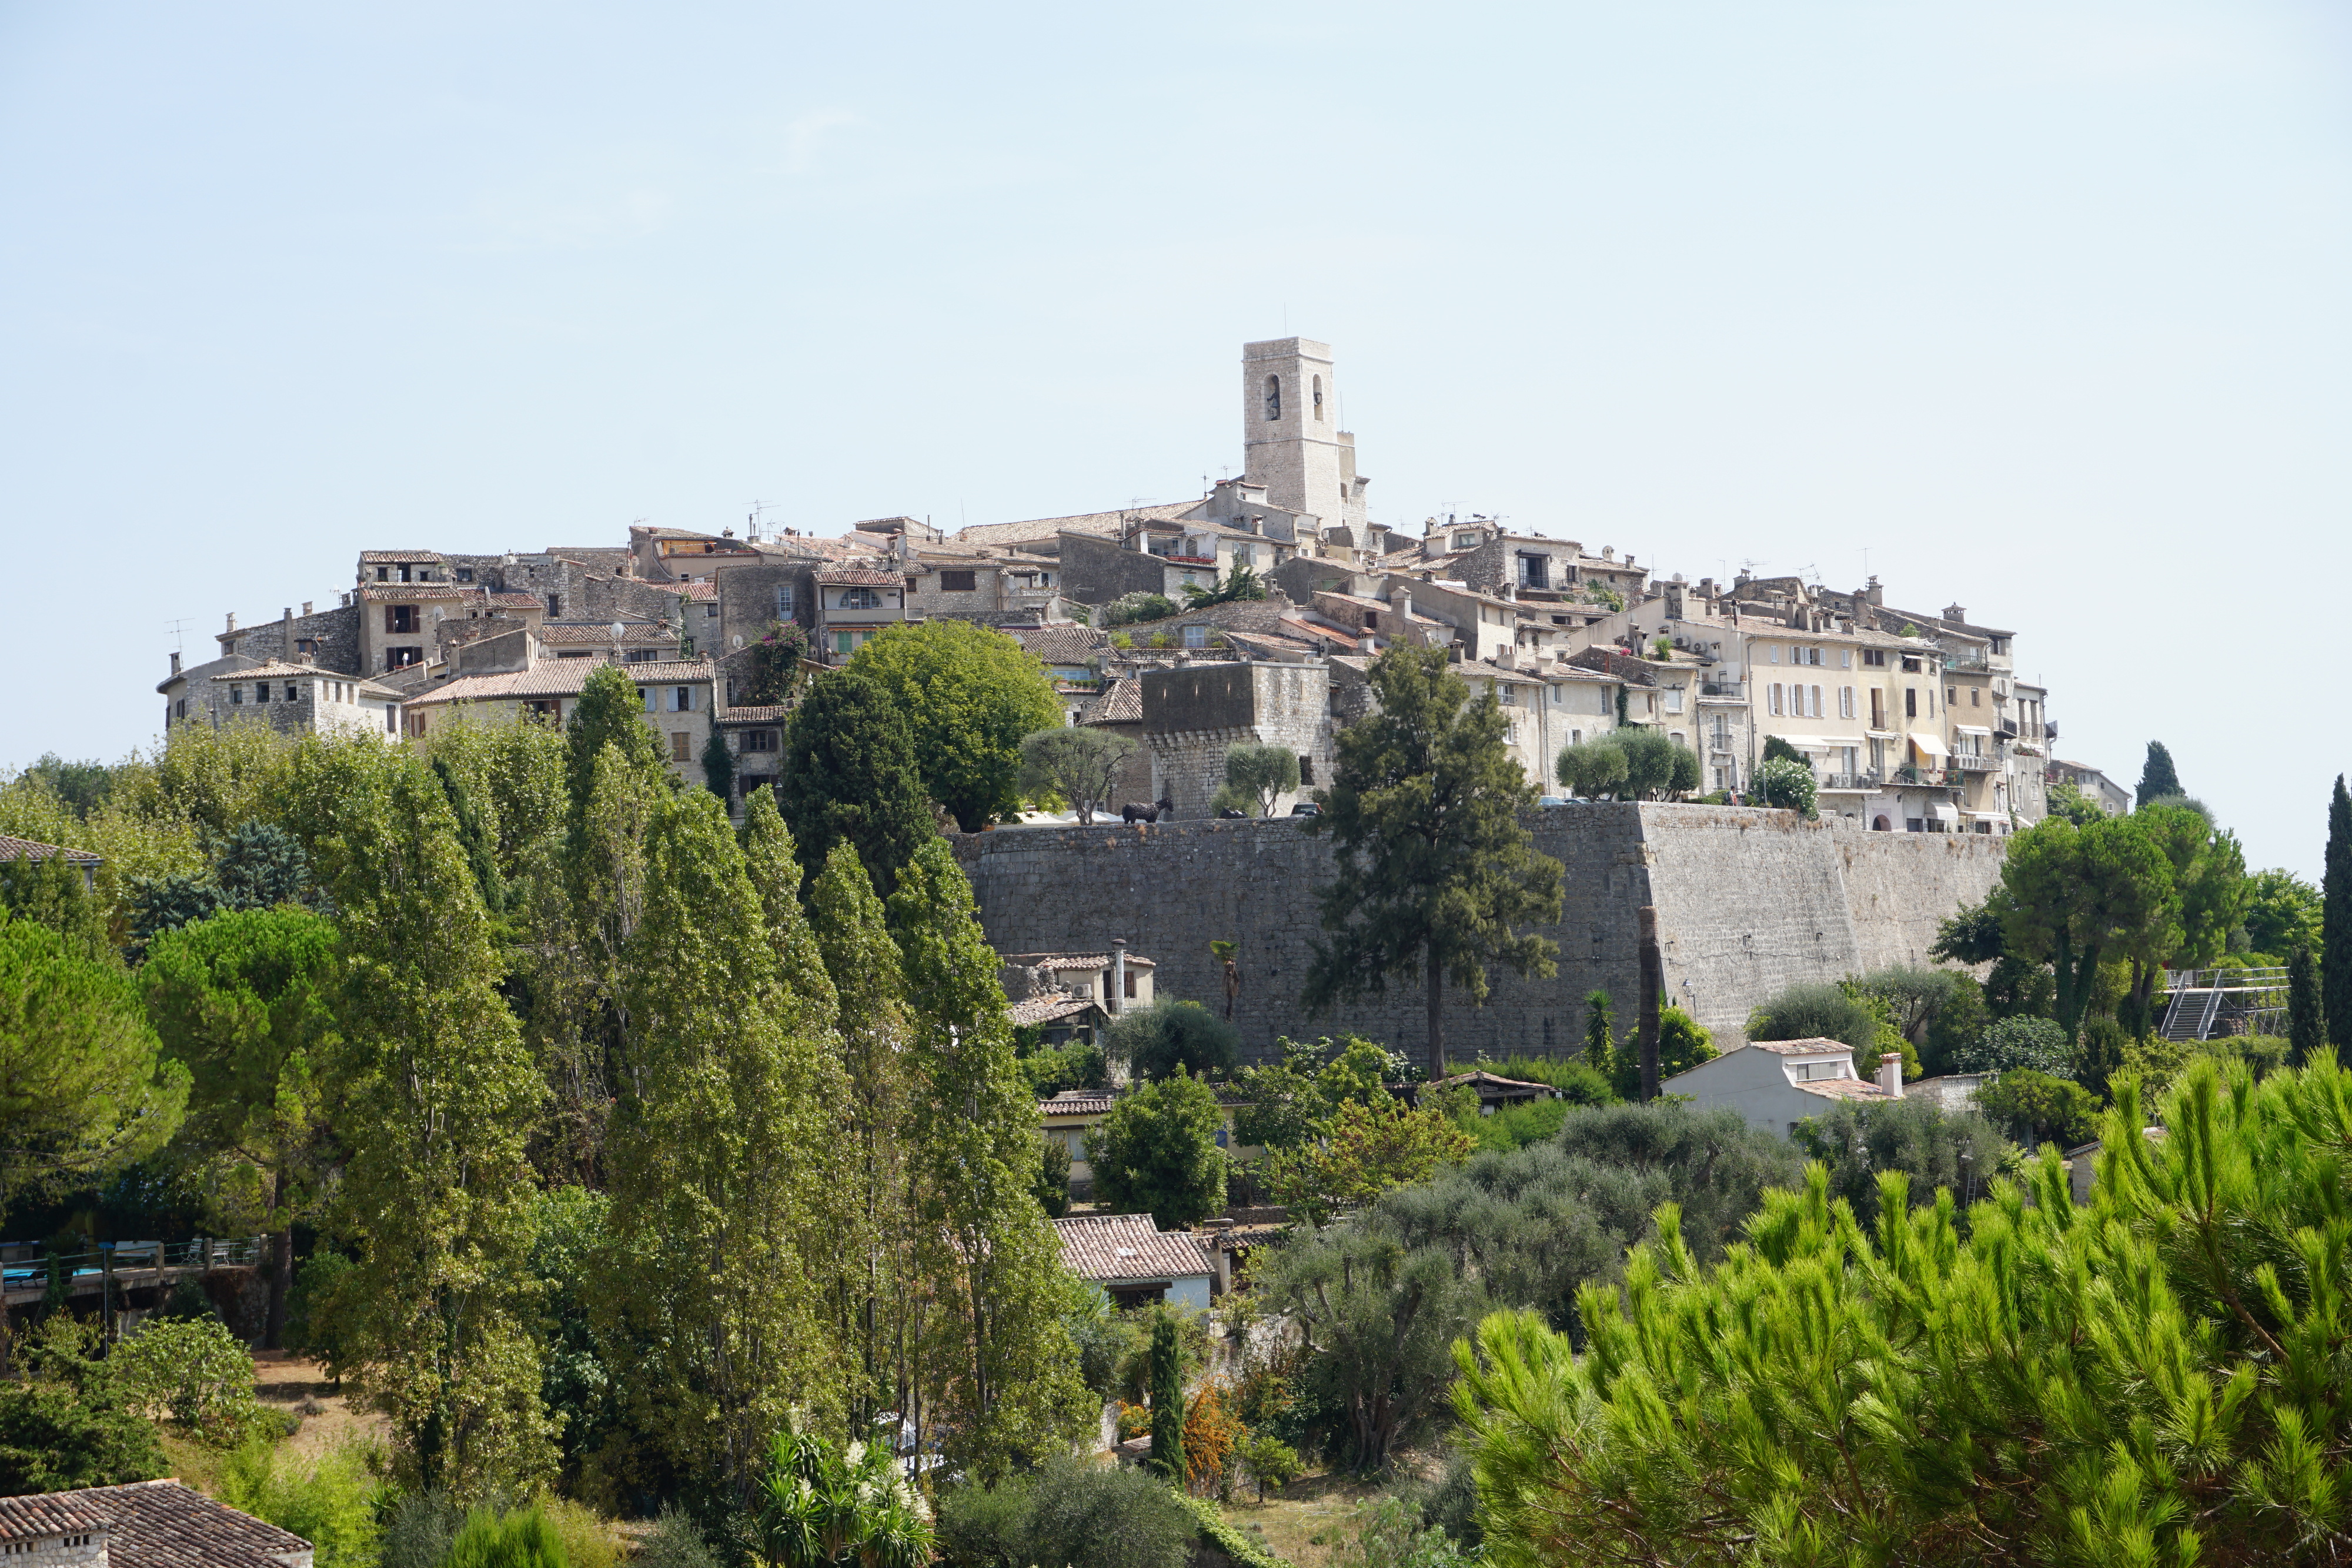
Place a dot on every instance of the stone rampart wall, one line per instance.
(1749, 901)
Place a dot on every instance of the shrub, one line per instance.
(673, 1543)
(55, 1437)
(1788, 784)
(1053, 1187)
(1859, 1140)
(1157, 1153)
(332, 1502)
(2037, 1108)
(309, 1310)
(418, 1532)
(191, 1372)
(525, 1538)
(982, 1526)
(2036, 1044)
(1816, 1012)
(1082, 1517)
(1171, 1036)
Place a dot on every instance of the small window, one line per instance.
(681, 699)
(1196, 636)
(401, 658)
(463, 573)
(758, 740)
(555, 607)
(1273, 397)
(1776, 653)
(290, 691)
(261, 691)
(1976, 696)
(1131, 982)
(383, 574)
(1306, 769)
(959, 581)
(1319, 398)
(677, 742)
(645, 696)
(784, 602)
(404, 572)
(237, 697)
(1874, 657)
(860, 598)
(1910, 702)
(843, 641)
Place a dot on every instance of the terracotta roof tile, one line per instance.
(50, 1513)
(517, 600)
(394, 556)
(1105, 524)
(1111, 1248)
(1845, 1089)
(1071, 960)
(14, 849)
(1076, 1102)
(1030, 1011)
(402, 593)
(1121, 702)
(558, 677)
(1814, 1046)
(699, 592)
(572, 633)
(1061, 645)
(859, 577)
(754, 714)
(163, 1524)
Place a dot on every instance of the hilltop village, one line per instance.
(1247, 616)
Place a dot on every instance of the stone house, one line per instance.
(992, 588)
(754, 735)
(141, 1524)
(290, 697)
(2096, 786)
(853, 604)
(677, 697)
(681, 555)
(1193, 714)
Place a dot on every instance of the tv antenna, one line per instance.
(179, 635)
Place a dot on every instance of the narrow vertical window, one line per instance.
(1273, 397)
(1319, 399)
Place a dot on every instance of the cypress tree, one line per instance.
(2157, 778)
(1167, 1400)
(2306, 1029)
(1599, 1037)
(2336, 921)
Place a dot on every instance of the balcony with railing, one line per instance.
(1970, 762)
(1966, 659)
(1854, 782)
(1934, 778)
(1734, 690)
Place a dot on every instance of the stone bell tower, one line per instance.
(1291, 439)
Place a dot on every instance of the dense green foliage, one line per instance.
(2336, 922)
(1157, 1153)
(968, 693)
(1171, 1036)
(2133, 1381)
(1167, 1400)
(1435, 874)
(1859, 1140)
(1788, 784)
(1071, 1514)
(2157, 779)
(850, 776)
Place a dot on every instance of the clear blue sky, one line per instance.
(2044, 305)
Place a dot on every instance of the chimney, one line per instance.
(1608, 552)
(232, 620)
(175, 663)
(286, 635)
(1874, 593)
(306, 608)
(1890, 1073)
(1117, 973)
(1401, 606)
(1954, 612)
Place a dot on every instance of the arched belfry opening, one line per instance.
(1319, 400)
(1273, 397)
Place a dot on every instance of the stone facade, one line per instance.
(1291, 439)
(1193, 714)
(1749, 902)
(326, 638)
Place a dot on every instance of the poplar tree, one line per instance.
(850, 776)
(1003, 1358)
(435, 1314)
(716, 1154)
(2336, 922)
(872, 1310)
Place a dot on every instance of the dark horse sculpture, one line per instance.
(1131, 812)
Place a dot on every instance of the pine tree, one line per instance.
(2158, 781)
(718, 1155)
(435, 1198)
(849, 777)
(1004, 1361)
(1167, 1400)
(2307, 1026)
(1435, 870)
(2336, 922)
(874, 1311)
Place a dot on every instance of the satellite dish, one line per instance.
(616, 631)
(739, 640)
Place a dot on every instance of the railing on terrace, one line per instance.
(1966, 762)
(1849, 781)
(1971, 661)
(1929, 776)
(1722, 689)
(26, 1266)
(2269, 979)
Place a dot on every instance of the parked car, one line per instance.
(1306, 808)
(1551, 800)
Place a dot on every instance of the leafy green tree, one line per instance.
(850, 776)
(2208, 879)
(969, 692)
(1822, 1012)
(64, 1423)
(576, 1385)
(1788, 784)
(81, 787)
(2336, 922)
(1001, 1359)
(2158, 781)
(610, 712)
(2076, 897)
(439, 1094)
(1655, 765)
(718, 768)
(1682, 1045)
(1363, 1150)
(2306, 1027)
(2036, 1108)
(2069, 802)
(1080, 764)
(472, 837)
(1130, 608)
(718, 1157)
(245, 1002)
(1435, 872)
(1935, 1350)
(824, 1506)
(1939, 1151)
(189, 1372)
(2037, 1045)
(2016, 987)
(84, 1089)
(1157, 1153)
(1053, 1188)
(49, 889)
(1592, 768)
(2282, 913)
(1257, 776)
(1282, 1099)
(1173, 1036)
(1167, 1401)
(1777, 750)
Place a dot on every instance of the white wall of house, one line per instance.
(1762, 1084)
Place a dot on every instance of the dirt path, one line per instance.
(1291, 1520)
(286, 1380)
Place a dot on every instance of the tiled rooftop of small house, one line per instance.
(1118, 1246)
(156, 1524)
